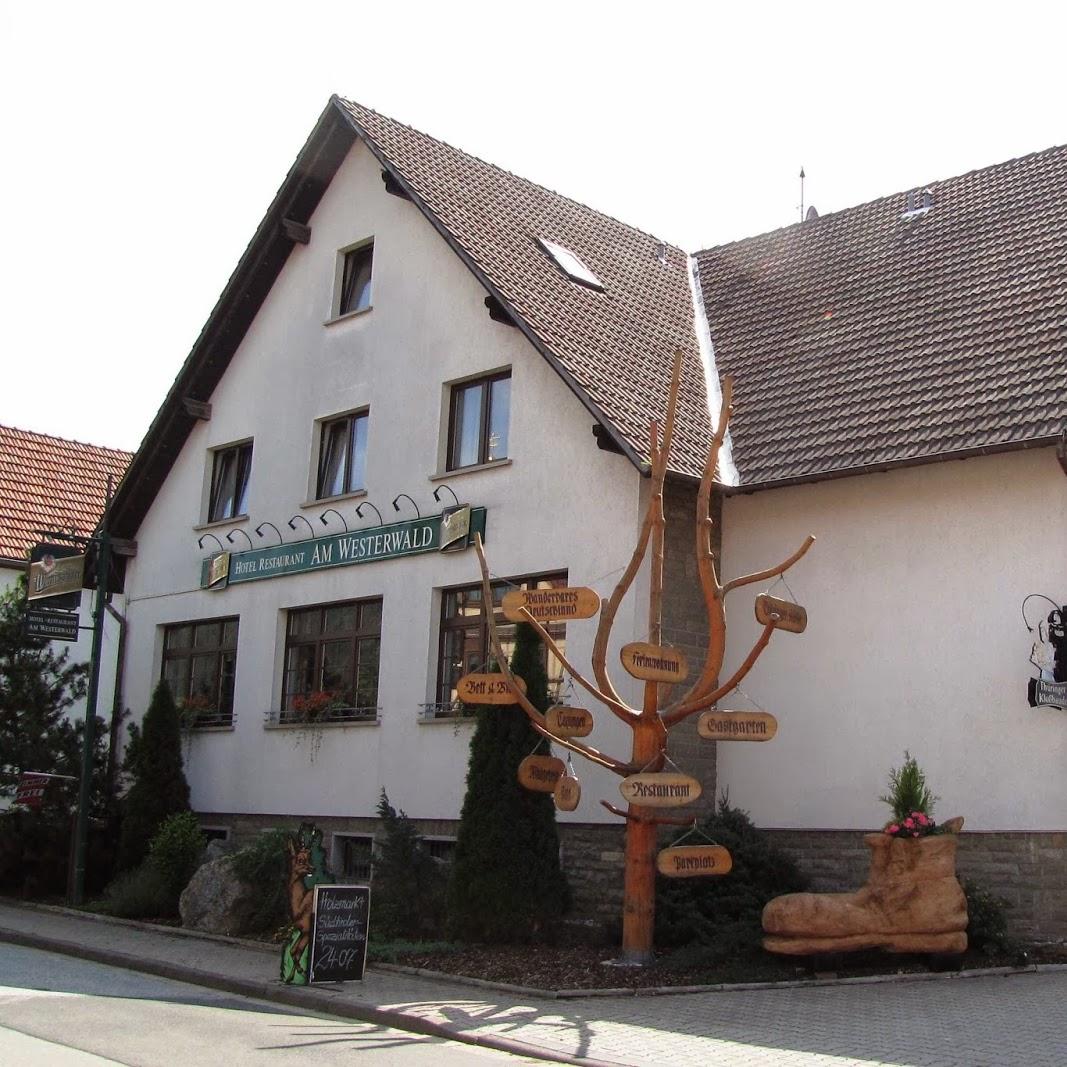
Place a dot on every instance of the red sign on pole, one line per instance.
(31, 789)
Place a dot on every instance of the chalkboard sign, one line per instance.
(339, 939)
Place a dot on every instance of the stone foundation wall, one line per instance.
(1028, 869)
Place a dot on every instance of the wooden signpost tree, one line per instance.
(645, 785)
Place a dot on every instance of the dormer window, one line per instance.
(571, 265)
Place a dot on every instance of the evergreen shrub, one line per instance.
(152, 889)
(408, 886)
(506, 883)
(987, 922)
(263, 866)
(159, 787)
(720, 918)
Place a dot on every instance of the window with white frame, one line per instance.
(231, 470)
(342, 455)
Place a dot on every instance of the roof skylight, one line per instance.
(570, 264)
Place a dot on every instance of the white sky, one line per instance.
(142, 145)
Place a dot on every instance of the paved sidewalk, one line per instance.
(997, 1021)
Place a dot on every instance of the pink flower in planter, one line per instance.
(894, 829)
(909, 822)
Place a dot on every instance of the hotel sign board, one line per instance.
(50, 625)
(448, 532)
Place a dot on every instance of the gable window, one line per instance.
(331, 662)
(199, 665)
(355, 279)
(229, 482)
(479, 415)
(342, 455)
(464, 642)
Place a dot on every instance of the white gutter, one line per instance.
(728, 474)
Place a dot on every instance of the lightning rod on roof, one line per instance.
(801, 192)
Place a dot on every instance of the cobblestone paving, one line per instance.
(950, 1022)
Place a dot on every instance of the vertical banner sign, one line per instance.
(339, 939)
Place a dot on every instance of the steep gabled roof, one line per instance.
(613, 348)
(863, 339)
(50, 483)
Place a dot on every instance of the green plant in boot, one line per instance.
(910, 797)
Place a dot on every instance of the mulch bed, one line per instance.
(583, 967)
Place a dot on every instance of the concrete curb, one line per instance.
(319, 1000)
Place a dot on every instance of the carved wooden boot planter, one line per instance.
(912, 902)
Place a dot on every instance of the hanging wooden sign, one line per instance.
(569, 722)
(552, 605)
(487, 689)
(567, 793)
(737, 725)
(660, 790)
(541, 773)
(791, 617)
(654, 663)
(694, 861)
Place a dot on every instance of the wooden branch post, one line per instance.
(654, 664)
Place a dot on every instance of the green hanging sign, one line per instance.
(452, 530)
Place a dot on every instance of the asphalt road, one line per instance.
(57, 1011)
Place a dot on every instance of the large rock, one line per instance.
(215, 900)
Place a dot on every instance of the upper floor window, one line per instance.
(199, 665)
(331, 662)
(479, 414)
(229, 482)
(355, 279)
(342, 455)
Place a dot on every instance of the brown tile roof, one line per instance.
(861, 339)
(616, 346)
(50, 483)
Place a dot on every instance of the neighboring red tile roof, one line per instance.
(861, 339)
(51, 483)
(617, 345)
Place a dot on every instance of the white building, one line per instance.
(411, 324)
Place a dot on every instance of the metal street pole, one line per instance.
(81, 829)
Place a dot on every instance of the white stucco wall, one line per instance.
(560, 503)
(915, 641)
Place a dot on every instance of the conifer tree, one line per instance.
(38, 688)
(159, 787)
(506, 879)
